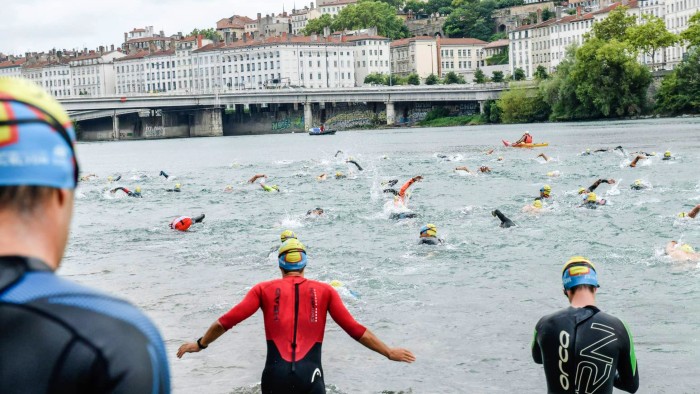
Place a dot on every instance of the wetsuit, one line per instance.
(403, 215)
(176, 190)
(390, 182)
(585, 350)
(60, 337)
(429, 241)
(127, 191)
(294, 312)
(355, 163)
(392, 191)
(162, 173)
(505, 222)
(596, 184)
(268, 188)
(593, 204)
(640, 186)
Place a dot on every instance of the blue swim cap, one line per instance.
(292, 255)
(579, 271)
(36, 138)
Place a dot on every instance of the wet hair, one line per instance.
(23, 199)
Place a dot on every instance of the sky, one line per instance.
(40, 25)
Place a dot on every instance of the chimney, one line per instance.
(312, 5)
(162, 34)
(199, 41)
(102, 49)
(539, 15)
(578, 12)
(111, 47)
(557, 12)
(259, 15)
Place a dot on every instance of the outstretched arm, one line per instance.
(408, 184)
(215, 331)
(394, 354)
(542, 155)
(694, 212)
(355, 163)
(256, 177)
(636, 159)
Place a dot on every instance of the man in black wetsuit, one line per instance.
(57, 336)
(505, 222)
(584, 350)
(595, 185)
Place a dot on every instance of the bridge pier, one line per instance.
(207, 123)
(308, 116)
(481, 106)
(390, 114)
(115, 126)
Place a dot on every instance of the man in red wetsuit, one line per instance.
(294, 311)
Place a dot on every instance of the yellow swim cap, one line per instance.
(338, 174)
(292, 255)
(687, 248)
(591, 197)
(336, 283)
(109, 178)
(682, 214)
(551, 173)
(537, 204)
(575, 260)
(287, 234)
(667, 153)
(138, 189)
(429, 230)
(547, 188)
(177, 186)
(581, 190)
(638, 182)
(588, 150)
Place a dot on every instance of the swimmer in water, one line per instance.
(135, 193)
(322, 177)
(87, 177)
(183, 223)
(482, 169)
(591, 201)
(692, 214)
(273, 188)
(401, 196)
(636, 159)
(176, 189)
(535, 207)
(228, 189)
(683, 252)
(545, 192)
(639, 185)
(113, 179)
(256, 177)
(390, 183)
(338, 152)
(667, 155)
(542, 155)
(287, 234)
(428, 235)
(352, 161)
(340, 175)
(595, 185)
(505, 222)
(315, 212)
(403, 215)
(162, 173)
(490, 151)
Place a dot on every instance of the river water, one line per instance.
(467, 309)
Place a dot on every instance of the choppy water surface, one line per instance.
(467, 309)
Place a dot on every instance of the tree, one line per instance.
(317, 26)
(396, 4)
(471, 20)
(547, 14)
(680, 90)
(541, 73)
(413, 79)
(376, 79)
(414, 6)
(692, 33)
(432, 79)
(519, 74)
(443, 7)
(520, 106)
(479, 76)
(210, 34)
(614, 26)
(453, 78)
(368, 13)
(651, 36)
(497, 76)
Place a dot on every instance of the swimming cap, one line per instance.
(138, 189)
(428, 231)
(638, 182)
(336, 283)
(588, 150)
(537, 204)
(687, 248)
(287, 234)
(579, 271)
(667, 153)
(547, 188)
(682, 215)
(292, 255)
(581, 190)
(591, 197)
(36, 138)
(275, 187)
(109, 178)
(551, 173)
(177, 186)
(181, 224)
(338, 174)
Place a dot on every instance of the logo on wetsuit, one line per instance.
(563, 358)
(314, 306)
(276, 308)
(589, 377)
(316, 372)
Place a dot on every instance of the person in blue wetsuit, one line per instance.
(582, 349)
(57, 336)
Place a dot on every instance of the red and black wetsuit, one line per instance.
(294, 310)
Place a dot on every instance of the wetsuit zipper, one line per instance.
(296, 321)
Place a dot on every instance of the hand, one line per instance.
(417, 178)
(611, 181)
(401, 355)
(187, 347)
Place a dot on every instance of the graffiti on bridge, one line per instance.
(153, 132)
(352, 119)
(292, 122)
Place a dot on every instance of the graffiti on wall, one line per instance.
(289, 122)
(415, 114)
(469, 108)
(153, 131)
(354, 119)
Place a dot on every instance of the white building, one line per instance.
(461, 56)
(12, 67)
(93, 73)
(300, 18)
(415, 55)
(130, 73)
(53, 76)
(184, 62)
(677, 13)
(333, 8)
(372, 55)
(160, 71)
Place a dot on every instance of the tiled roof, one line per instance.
(461, 41)
(272, 41)
(147, 39)
(497, 44)
(364, 37)
(168, 52)
(13, 63)
(405, 41)
(339, 2)
(137, 55)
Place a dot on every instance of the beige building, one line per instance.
(332, 8)
(415, 55)
(233, 28)
(300, 18)
(461, 56)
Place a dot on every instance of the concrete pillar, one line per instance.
(115, 127)
(308, 116)
(207, 123)
(481, 107)
(390, 114)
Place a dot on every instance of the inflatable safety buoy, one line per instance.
(181, 224)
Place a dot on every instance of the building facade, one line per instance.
(372, 55)
(93, 73)
(12, 67)
(300, 18)
(415, 55)
(332, 8)
(461, 56)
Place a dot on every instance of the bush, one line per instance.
(497, 76)
(518, 106)
(479, 76)
(435, 113)
(432, 79)
(413, 79)
(453, 78)
(519, 74)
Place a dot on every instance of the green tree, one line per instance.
(413, 79)
(453, 78)
(471, 20)
(614, 26)
(432, 79)
(497, 76)
(210, 34)
(519, 105)
(547, 14)
(650, 36)
(479, 76)
(518, 74)
(541, 73)
(680, 90)
(368, 13)
(376, 79)
(494, 111)
(396, 4)
(692, 33)
(443, 7)
(508, 3)
(316, 26)
(414, 6)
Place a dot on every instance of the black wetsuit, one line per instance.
(390, 183)
(176, 190)
(355, 163)
(585, 350)
(596, 184)
(392, 191)
(505, 222)
(128, 192)
(402, 215)
(162, 173)
(429, 241)
(60, 337)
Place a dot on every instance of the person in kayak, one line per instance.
(692, 214)
(582, 349)
(683, 252)
(352, 161)
(183, 223)
(525, 139)
(595, 185)
(428, 235)
(294, 310)
(58, 336)
(591, 201)
(136, 193)
(175, 189)
(505, 222)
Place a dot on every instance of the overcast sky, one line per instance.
(37, 25)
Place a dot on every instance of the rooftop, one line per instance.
(461, 41)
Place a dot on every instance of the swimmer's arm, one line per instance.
(256, 177)
(408, 184)
(213, 333)
(670, 247)
(694, 212)
(370, 341)
(536, 350)
(626, 376)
